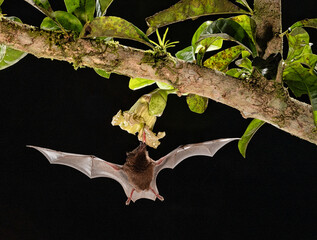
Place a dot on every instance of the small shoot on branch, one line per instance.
(162, 44)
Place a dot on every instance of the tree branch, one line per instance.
(255, 98)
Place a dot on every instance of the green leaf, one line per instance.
(164, 86)
(102, 73)
(13, 18)
(245, 54)
(71, 5)
(49, 25)
(1, 1)
(221, 60)
(102, 6)
(137, 83)
(298, 43)
(158, 102)
(312, 22)
(198, 32)
(248, 24)
(68, 21)
(85, 11)
(229, 30)
(253, 127)
(187, 54)
(208, 44)
(114, 27)
(302, 80)
(9, 56)
(190, 9)
(245, 3)
(308, 59)
(42, 5)
(238, 73)
(244, 63)
(197, 103)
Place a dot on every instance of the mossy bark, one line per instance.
(255, 98)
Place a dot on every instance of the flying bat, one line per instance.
(138, 174)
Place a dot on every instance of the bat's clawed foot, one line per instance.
(157, 195)
(128, 201)
(160, 197)
(129, 198)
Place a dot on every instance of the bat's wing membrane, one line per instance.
(179, 154)
(91, 166)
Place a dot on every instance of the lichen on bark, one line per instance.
(258, 98)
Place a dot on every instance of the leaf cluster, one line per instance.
(86, 19)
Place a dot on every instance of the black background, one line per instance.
(270, 195)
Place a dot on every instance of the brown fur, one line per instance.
(139, 167)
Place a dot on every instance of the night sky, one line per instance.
(272, 194)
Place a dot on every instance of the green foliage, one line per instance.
(300, 66)
(66, 20)
(253, 127)
(137, 83)
(163, 44)
(197, 103)
(302, 80)
(72, 5)
(300, 70)
(165, 86)
(208, 37)
(85, 11)
(190, 9)
(42, 5)
(158, 102)
(1, 1)
(102, 6)
(221, 60)
(115, 27)
(49, 25)
(186, 54)
(205, 45)
(102, 73)
(9, 56)
(305, 23)
(248, 24)
(245, 3)
(237, 73)
(230, 30)
(298, 42)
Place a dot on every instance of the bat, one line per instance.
(138, 174)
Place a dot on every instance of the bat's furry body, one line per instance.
(138, 174)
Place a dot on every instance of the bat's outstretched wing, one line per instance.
(91, 166)
(179, 154)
